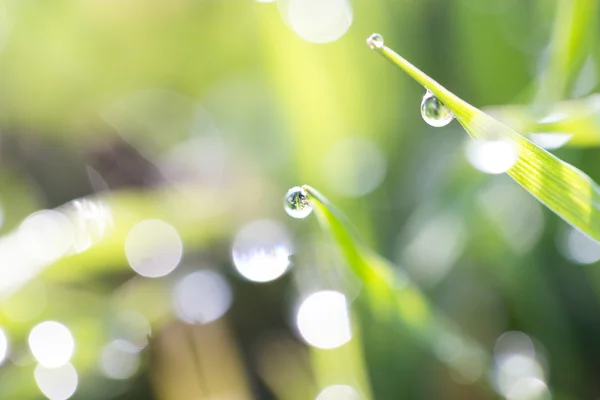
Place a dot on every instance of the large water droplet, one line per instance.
(296, 203)
(434, 112)
(375, 41)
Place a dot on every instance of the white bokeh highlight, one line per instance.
(515, 214)
(57, 383)
(518, 373)
(448, 347)
(120, 359)
(3, 346)
(153, 248)
(338, 392)
(261, 251)
(435, 245)
(468, 362)
(491, 157)
(587, 80)
(529, 389)
(90, 220)
(317, 21)
(45, 236)
(202, 297)
(514, 342)
(354, 167)
(550, 140)
(132, 326)
(553, 118)
(51, 344)
(579, 248)
(2, 216)
(323, 320)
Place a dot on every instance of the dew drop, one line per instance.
(296, 203)
(434, 112)
(375, 41)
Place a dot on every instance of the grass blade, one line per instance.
(564, 189)
(578, 118)
(391, 295)
(572, 33)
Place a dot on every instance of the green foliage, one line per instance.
(131, 89)
(564, 189)
(393, 297)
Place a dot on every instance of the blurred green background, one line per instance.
(145, 150)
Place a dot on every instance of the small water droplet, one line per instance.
(296, 203)
(375, 41)
(434, 112)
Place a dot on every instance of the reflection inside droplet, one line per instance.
(202, 297)
(375, 41)
(153, 248)
(296, 204)
(261, 251)
(434, 112)
(323, 320)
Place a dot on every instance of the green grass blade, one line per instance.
(392, 296)
(572, 35)
(574, 27)
(578, 118)
(564, 189)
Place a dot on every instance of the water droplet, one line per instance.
(375, 41)
(434, 112)
(296, 203)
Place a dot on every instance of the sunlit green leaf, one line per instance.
(561, 187)
(392, 296)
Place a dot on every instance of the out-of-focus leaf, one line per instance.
(569, 46)
(580, 119)
(393, 297)
(573, 32)
(564, 189)
(194, 220)
(199, 216)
